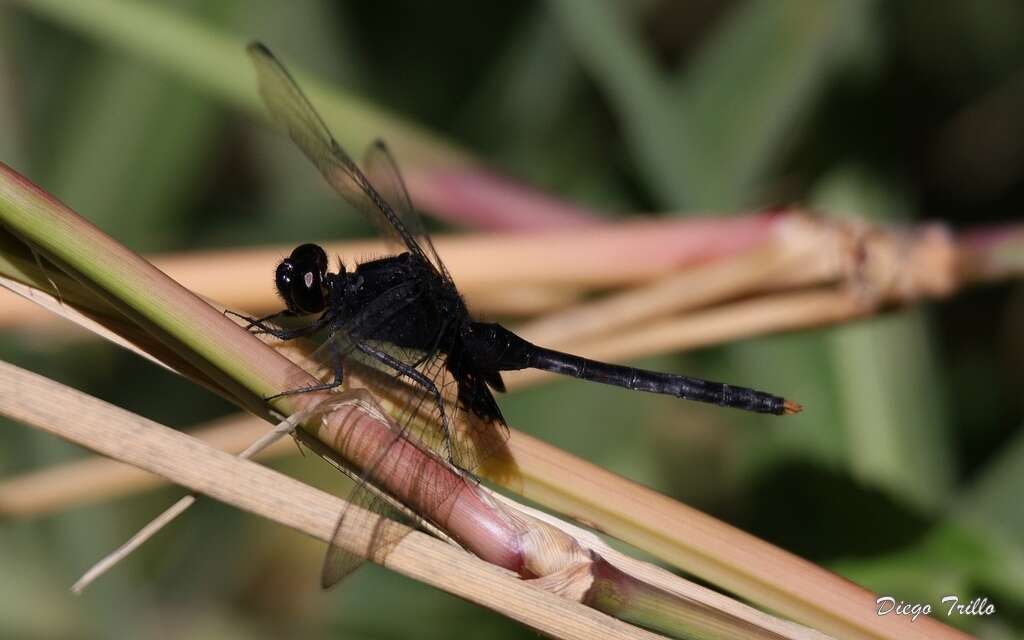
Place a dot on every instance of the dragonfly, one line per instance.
(402, 319)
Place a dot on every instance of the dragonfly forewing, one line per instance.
(291, 109)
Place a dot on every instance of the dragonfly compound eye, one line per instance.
(310, 257)
(301, 285)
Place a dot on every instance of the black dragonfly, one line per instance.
(403, 317)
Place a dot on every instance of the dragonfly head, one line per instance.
(302, 280)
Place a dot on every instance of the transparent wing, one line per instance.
(401, 457)
(380, 166)
(417, 443)
(418, 437)
(365, 496)
(290, 109)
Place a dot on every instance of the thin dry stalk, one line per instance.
(286, 427)
(881, 265)
(693, 288)
(140, 537)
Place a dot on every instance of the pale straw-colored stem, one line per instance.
(284, 428)
(90, 480)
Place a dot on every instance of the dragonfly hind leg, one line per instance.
(417, 376)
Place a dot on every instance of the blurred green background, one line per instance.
(903, 474)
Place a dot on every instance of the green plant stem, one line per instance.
(188, 325)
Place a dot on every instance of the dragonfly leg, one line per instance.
(416, 376)
(337, 366)
(260, 323)
(316, 387)
(285, 334)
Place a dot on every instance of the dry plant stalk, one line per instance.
(284, 428)
(60, 487)
(876, 265)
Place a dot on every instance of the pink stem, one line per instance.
(425, 485)
(481, 199)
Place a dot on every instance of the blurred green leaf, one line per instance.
(705, 139)
(535, 93)
(292, 205)
(11, 146)
(892, 399)
(161, 142)
(812, 435)
(752, 83)
(608, 47)
(994, 496)
(530, 84)
(952, 559)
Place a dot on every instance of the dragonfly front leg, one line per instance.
(260, 323)
(282, 334)
(337, 366)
